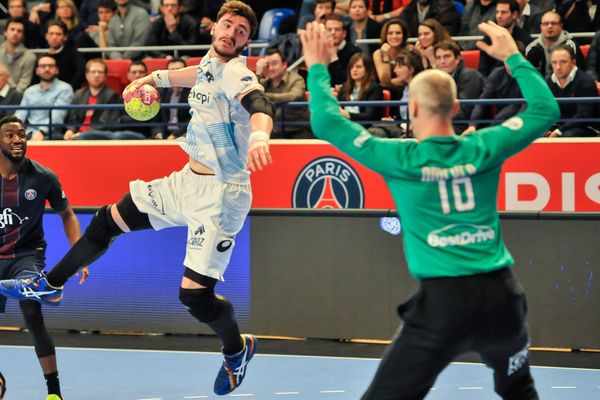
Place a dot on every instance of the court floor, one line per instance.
(117, 374)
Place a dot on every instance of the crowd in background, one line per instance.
(379, 70)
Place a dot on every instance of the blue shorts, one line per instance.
(20, 267)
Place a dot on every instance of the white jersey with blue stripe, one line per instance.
(217, 135)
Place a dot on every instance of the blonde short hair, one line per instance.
(434, 90)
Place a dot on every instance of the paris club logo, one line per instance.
(30, 194)
(328, 182)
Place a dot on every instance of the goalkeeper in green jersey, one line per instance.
(444, 187)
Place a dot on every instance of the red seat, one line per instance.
(251, 62)
(118, 69)
(154, 64)
(193, 61)
(471, 58)
(598, 87)
(114, 82)
(584, 51)
(387, 95)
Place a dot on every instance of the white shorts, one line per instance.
(213, 211)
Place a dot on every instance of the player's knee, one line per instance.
(103, 228)
(203, 304)
(32, 313)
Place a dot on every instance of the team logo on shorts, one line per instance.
(224, 245)
(328, 182)
(30, 194)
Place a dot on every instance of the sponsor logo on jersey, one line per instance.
(9, 218)
(30, 194)
(224, 245)
(200, 97)
(460, 235)
(156, 199)
(328, 182)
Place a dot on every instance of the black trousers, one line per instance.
(449, 316)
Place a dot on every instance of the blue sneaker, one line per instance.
(36, 288)
(233, 370)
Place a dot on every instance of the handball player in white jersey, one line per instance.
(227, 135)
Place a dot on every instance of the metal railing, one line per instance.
(283, 122)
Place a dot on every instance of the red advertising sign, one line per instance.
(551, 175)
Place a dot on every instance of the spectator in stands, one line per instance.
(81, 122)
(19, 60)
(323, 8)
(569, 81)
(476, 12)
(593, 60)
(128, 28)
(71, 64)
(51, 91)
(529, 16)
(98, 33)
(171, 29)
(9, 96)
(406, 66)
(442, 11)
(580, 16)
(499, 85)
(469, 82)
(361, 85)
(393, 38)
(210, 9)
(282, 86)
(538, 51)
(382, 10)
(430, 33)
(362, 27)
(33, 34)
(66, 11)
(173, 120)
(344, 50)
(507, 13)
(88, 13)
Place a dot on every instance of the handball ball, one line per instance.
(142, 103)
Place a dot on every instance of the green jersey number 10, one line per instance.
(463, 197)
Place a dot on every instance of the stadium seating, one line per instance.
(117, 74)
(154, 64)
(471, 58)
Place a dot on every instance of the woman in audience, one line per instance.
(66, 11)
(430, 33)
(406, 66)
(394, 35)
(361, 85)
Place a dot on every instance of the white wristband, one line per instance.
(161, 78)
(258, 135)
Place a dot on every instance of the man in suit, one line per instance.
(338, 66)
(569, 81)
(81, 122)
(469, 82)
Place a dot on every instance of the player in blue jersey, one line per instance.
(228, 134)
(25, 187)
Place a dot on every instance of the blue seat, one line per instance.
(460, 8)
(270, 21)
